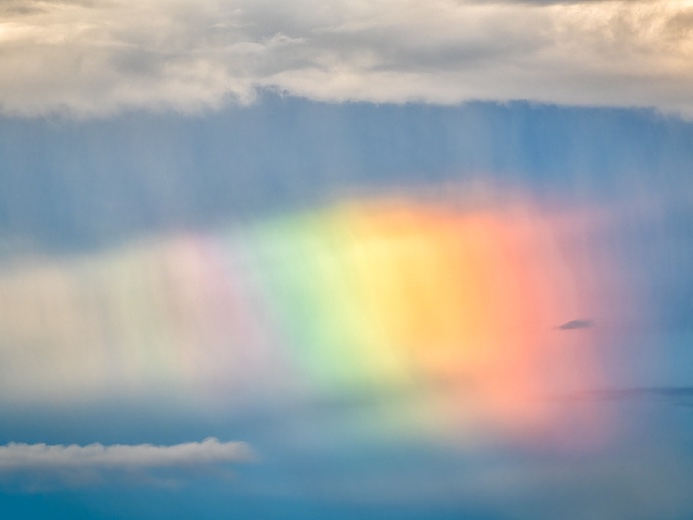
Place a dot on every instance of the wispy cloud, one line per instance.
(22, 457)
(95, 58)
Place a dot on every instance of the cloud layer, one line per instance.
(94, 58)
(22, 457)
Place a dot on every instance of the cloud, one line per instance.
(22, 457)
(95, 58)
(577, 324)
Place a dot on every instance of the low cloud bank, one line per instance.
(21, 457)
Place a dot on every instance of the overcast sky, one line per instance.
(96, 58)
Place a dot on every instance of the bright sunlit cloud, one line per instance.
(88, 58)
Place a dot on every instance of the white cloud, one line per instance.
(90, 58)
(23, 457)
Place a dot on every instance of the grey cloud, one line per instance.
(577, 324)
(88, 58)
(23, 457)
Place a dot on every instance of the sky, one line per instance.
(321, 260)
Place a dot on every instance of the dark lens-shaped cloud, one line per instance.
(577, 324)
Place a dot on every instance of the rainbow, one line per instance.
(361, 297)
